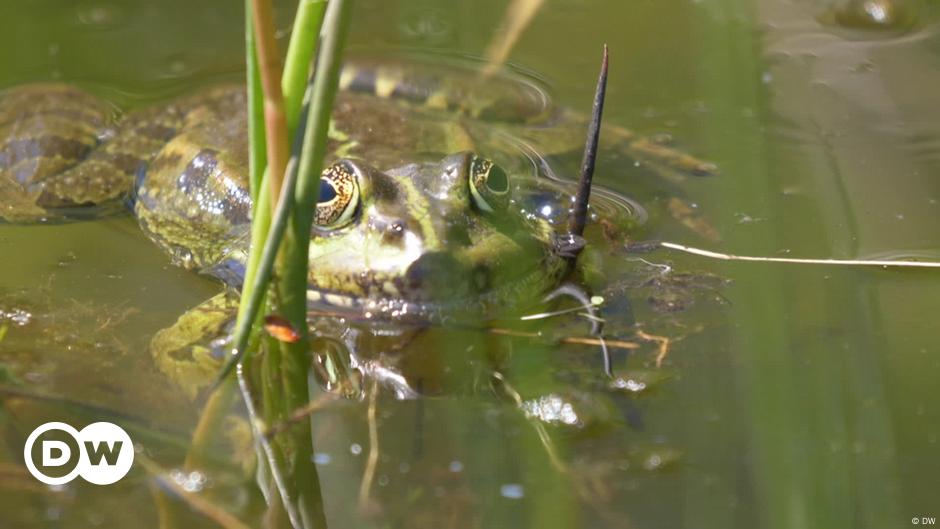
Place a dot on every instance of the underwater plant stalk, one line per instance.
(290, 391)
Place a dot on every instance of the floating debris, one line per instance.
(280, 329)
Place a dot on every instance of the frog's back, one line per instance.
(62, 149)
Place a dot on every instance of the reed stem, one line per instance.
(269, 66)
(284, 370)
(300, 52)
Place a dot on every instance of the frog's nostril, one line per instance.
(393, 232)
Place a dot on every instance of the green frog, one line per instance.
(436, 201)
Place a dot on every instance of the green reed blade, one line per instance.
(300, 51)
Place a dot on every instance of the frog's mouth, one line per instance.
(469, 281)
(439, 310)
(441, 286)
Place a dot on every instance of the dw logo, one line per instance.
(101, 453)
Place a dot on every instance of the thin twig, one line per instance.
(576, 340)
(299, 415)
(663, 349)
(536, 423)
(617, 344)
(579, 216)
(545, 315)
(838, 262)
(195, 502)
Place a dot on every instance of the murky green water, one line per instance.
(797, 396)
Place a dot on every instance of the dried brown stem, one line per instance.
(579, 216)
(576, 340)
(275, 123)
(663, 343)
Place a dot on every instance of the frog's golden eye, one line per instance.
(489, 185)
(339, 196)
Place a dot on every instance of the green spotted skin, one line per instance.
(45, 131)
(417, 244)
(192, 199)
(62, 148)
(419, 240)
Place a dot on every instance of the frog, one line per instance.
(425, 210)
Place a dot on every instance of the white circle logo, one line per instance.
(103, 450)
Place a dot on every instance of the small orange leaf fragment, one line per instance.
(280, 329)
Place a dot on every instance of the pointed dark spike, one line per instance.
(579, 215)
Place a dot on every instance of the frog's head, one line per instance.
(442, 233)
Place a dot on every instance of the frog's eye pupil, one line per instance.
(339, 196)
(497, 180)
(327, 190)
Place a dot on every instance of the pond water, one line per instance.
(791, 396)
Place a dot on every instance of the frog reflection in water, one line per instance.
(414, 220)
